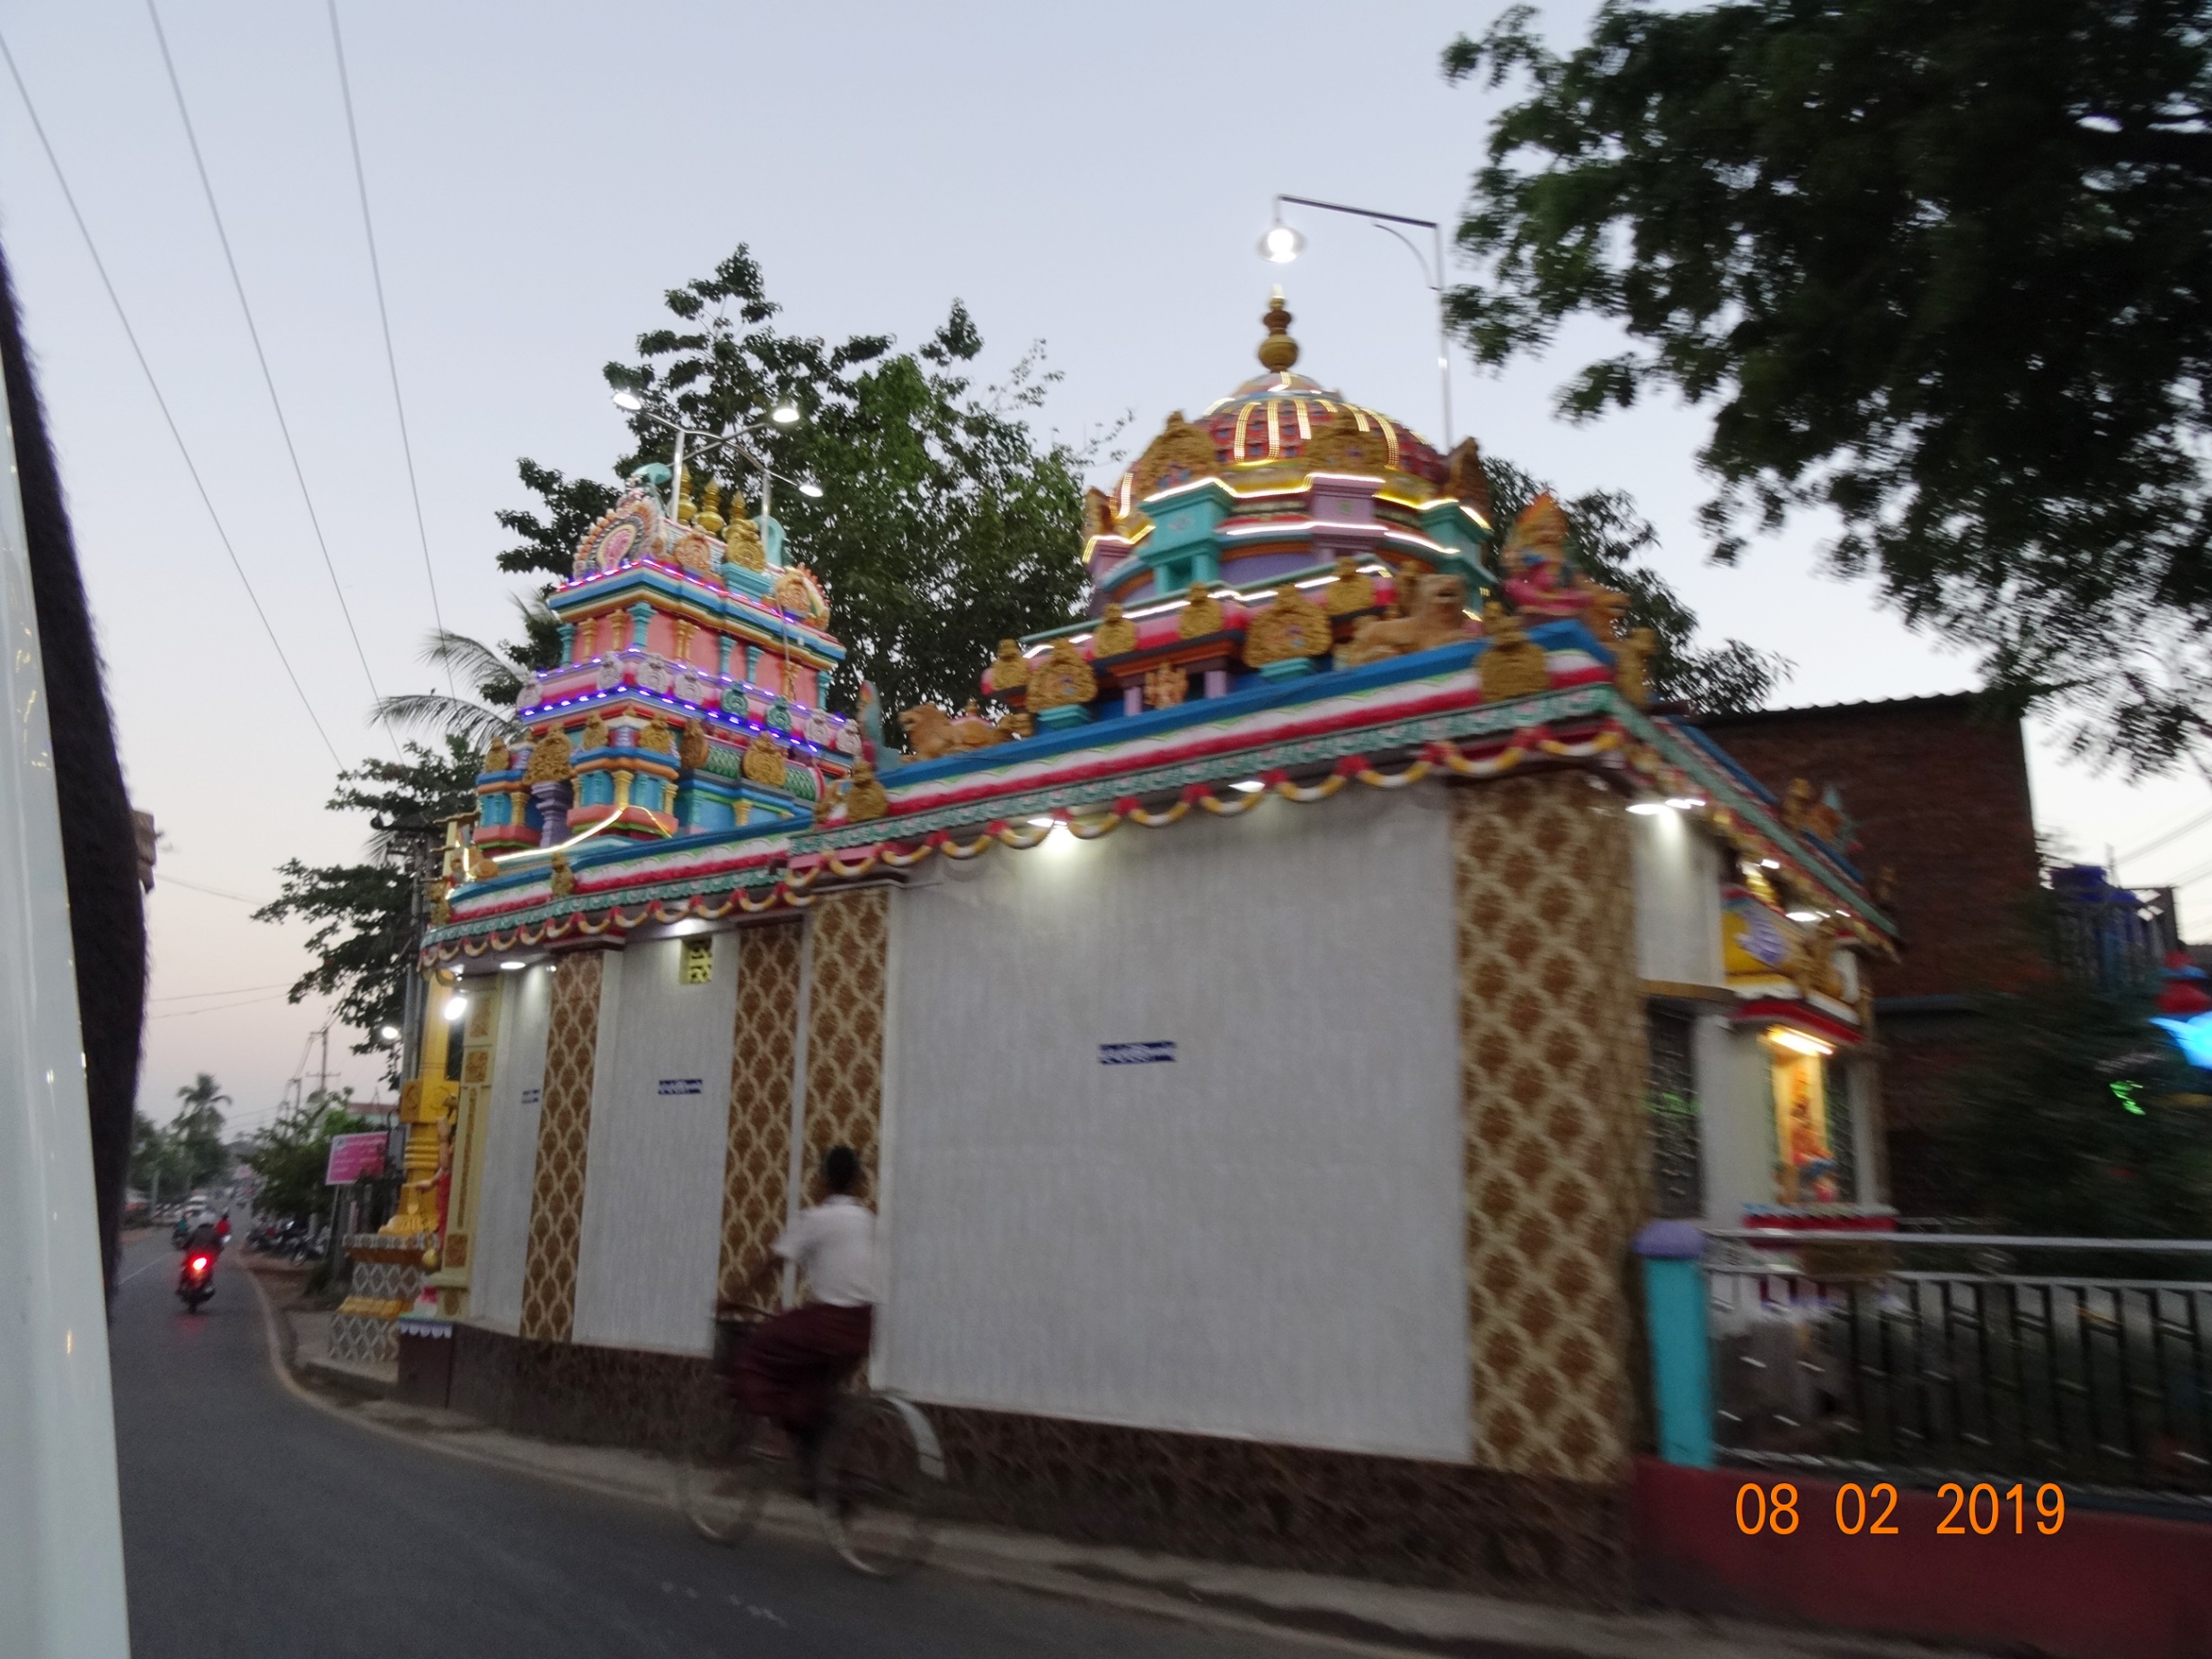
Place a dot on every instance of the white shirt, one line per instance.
(835, 1244)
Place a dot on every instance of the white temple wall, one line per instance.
(1736, 1116)
(509, 1170)
(1678, 872)
(659, 1132)
(1265, 1237)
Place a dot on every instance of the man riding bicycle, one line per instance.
(789, 1368)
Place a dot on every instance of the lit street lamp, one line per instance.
(1283, 243)
(786, 413)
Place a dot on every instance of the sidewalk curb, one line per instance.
(1326, 1614)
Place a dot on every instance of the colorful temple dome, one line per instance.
(1282, 475)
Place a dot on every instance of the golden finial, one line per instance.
(1277, 352)
(709, 519)
(686, 509)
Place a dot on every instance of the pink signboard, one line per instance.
(353, 1156)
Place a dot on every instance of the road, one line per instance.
(258, 1526)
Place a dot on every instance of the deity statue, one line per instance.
(1166, 685)
(1534, 562)
(1116, 634)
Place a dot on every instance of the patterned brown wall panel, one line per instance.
(1551, 1056)
(844, 1024)
(758, 1169)
(564, 1138)
(1400, 1520)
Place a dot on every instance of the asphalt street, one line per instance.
(256, 1526)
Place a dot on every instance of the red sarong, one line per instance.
(790, 1367)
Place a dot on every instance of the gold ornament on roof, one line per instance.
(1344, 445)
(482, 865)
(1062, 680)
(549, 759)
(797, 591)
(595, 734)
(764, 761)
(1631, 658)
(686, 509)
(497, 758)
(1184, 450)
(1351, 591)
(1009, 671)
(1607, 613)
(1098, 512)
(863, 795)
(1465, 479)
(657, 738)
(1277, 352)
(1201, 614)
(563, 878)
(1116, 635)
(441, 911)
(710, 516)
(1797, 803)
(741, 538)
(1514, 664)
(1292, 627)
(696, 747)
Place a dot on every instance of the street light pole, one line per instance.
(1285, 248)
(784, 414)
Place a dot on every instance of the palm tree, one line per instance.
(199, 1103)
(495, 673)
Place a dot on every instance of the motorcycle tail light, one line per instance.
(200, 1264)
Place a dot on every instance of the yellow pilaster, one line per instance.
(424, 1102)
(471, 1118)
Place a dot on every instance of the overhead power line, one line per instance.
(161, 402)
(2171, 835)
(187, 996)
(179, 881)
(384, 319)
(237, 283)
(215, 1007)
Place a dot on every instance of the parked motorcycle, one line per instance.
(196, 1280)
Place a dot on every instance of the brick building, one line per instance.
(1938, 790)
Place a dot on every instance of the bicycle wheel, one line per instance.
(724, 1481)
(882, 1475)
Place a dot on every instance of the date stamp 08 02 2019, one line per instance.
(1774, 1509)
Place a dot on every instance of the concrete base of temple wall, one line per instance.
(1401, 1520)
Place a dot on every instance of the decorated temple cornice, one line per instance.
(1412, 722)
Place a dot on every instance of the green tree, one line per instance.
(367, 926)
(157, 1165)
(1942, 270)
(2072, 1120)
(1609, 539)
(293, 1154)
(943, 525)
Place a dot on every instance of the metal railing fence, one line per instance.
(1829, 1352)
